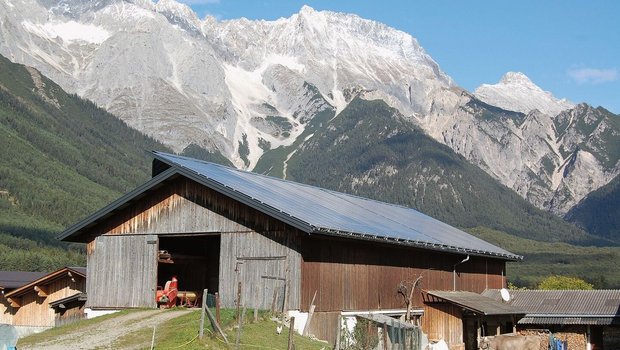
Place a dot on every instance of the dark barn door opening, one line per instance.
(193, 259)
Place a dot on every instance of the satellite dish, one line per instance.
(504, 293)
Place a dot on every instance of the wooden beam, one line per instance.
(42, 291)
(15, 302)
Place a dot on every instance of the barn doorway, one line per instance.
(193, 259)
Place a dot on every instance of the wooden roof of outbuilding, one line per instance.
(16, 279)
(475, 302)
(565, 306)
(310, 209)
(47, 279)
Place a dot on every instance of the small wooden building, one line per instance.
(585, 319)
(282, 240)
(31, 304)
(9, 281)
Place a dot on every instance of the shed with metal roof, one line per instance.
(284, 241)
(594, 315)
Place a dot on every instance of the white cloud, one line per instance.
(593, 75)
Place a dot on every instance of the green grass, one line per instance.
(55, 332)
(182, 333)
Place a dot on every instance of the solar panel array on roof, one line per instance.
(317, 210)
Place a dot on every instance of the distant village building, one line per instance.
(287, 244)
(50, 300)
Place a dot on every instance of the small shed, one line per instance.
(10, 280)
(480, 315)
(583, 318)
(286, 243)
(32, 304)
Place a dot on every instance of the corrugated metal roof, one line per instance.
(313, 209)
(564, 306)
(16, 279)
(593, 321)
(477, 303)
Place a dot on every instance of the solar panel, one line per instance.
(323, 211)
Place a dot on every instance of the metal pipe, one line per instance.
(454, 272)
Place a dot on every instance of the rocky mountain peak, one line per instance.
(517, 78)
(516, 92)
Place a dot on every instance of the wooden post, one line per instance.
(216, 325)
(238, 298)
(338, 333)
(217, 308)
(310, 313)
(256, 291)
(240, 325)
(202, 314)
(385, 337)
(291, 332)
(274, 300)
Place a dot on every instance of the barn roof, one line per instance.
(47, 279)
(474, 302)
(581, 307)
(16, 279)
(311, 209)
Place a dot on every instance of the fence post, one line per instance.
(239, 328)
(217, 308)
(291, 332)
(238, 298)
(385, 336)
(202, 313)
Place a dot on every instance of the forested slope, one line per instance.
(61, 158)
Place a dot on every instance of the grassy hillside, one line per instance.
(599, 213)
(597, 265)
(62, 158)
(369, 150)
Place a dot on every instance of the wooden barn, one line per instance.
(585, 319)
(35, 306)
(282, 240)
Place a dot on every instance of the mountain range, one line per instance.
(244, 89)
(324, 98)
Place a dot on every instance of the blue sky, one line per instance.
(571, 48)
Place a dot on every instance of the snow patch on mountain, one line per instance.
(516, 92)
(68, 31)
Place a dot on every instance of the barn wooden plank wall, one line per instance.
(263, 262)
(6, 311)
(129, 264)
(356, 275)
(184, 206)
(36, 311)
(73, 313)
(443, 321)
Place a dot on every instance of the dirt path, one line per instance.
(102, 335)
